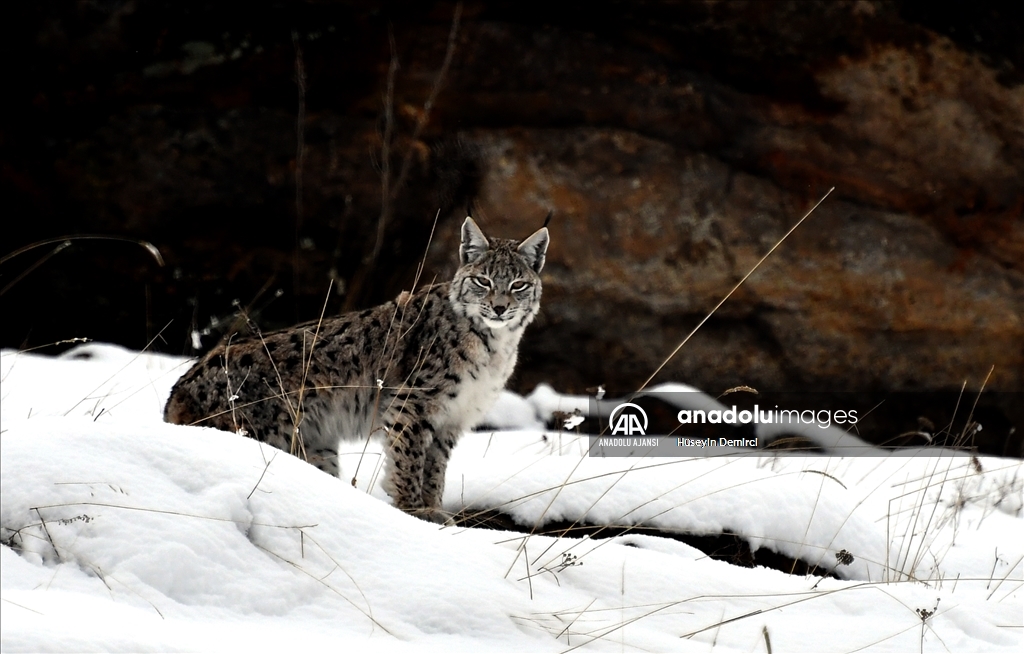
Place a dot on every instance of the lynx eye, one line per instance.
(482, 282)
(519, 286)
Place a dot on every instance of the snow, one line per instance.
(124, 533)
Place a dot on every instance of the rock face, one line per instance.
(676, 145)
(857, 298)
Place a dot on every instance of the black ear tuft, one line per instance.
(548, 219)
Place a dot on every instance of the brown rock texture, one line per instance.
(857, 298)
(676, 143)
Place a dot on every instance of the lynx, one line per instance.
(416, 372)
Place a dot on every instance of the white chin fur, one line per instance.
(496, 324)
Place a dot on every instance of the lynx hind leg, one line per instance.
(325, 458)
(311, 446)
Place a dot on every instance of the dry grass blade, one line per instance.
(819, 472)
(967, 432)
(539, 521)
(28, 271)
(807, 596)
(573, 621)
(149, 247)
(20, 606)
(734, 289)
(120, 370)
(168, 512)
(63, 243)
(66, 341)
(298, 567)
(338, 566)
(296, 446)
(810, 520)
(426, 250)
(623, 624)
(46, 531)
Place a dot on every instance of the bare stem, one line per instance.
(300, 148)
(429, 104)
(385, 150)
(389, 191)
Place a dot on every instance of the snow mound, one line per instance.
(121, 532)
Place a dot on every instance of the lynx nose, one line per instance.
(499, 309)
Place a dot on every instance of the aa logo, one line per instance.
(628, 423)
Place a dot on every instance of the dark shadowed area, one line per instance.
(259, 148)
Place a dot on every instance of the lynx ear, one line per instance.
(534, 249)
(474, 243)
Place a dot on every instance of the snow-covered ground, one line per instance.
(121, 532)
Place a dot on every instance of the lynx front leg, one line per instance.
(438, 453)
(408, 442)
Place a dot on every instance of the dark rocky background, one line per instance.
(676, 144)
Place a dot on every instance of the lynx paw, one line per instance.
(435, 515)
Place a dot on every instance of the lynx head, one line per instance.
(498, 281)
